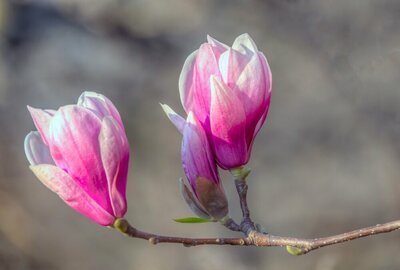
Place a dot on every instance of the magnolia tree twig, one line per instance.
(253, 235)
(297, 246)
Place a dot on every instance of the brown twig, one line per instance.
(302, 246)
(254, 237)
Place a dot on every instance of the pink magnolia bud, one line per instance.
(205, 196)
(229, 91)
(81, 153)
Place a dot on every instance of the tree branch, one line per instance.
(301, 246)
(255, 236)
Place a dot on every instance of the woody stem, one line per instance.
(302, 246)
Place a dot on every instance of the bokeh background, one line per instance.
(326, 161)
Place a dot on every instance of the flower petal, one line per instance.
(252, 131)
(216, 43)
(41, 119)
(74, 146)
(175, 118)
(217, 47)
(267, 72)
(114, 150)
(212, 198)
(186, 81)
(197, 158)
(100, 104)
(197, 98)
(192, 201)
(227, 122)
(245, 44)
(258, 101)
(231, 65)
(35, 150)
(72, 193)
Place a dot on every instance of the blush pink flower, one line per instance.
(204, 192)
(81, 153)
(229, 91)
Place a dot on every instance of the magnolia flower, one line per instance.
(229, 91)
(204, 192)
(81, 153)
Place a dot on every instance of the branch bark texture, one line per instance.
(253, 235)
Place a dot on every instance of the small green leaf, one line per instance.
(192, 220)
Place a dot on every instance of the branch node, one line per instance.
(229, 223)
(220, 241)
(296, 251)
(153, 240)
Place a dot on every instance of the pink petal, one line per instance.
(231, 65)
(175, 118)
(100, 104)
(197, 158)
(252, 133)
(216, 43)
(251, 84)
(218, 47)
(228, 122)
(72, 193)
(267, 73)
(245, 44)
(51, 112)
(186, 81)
(197, 98)
(35, 150)
(257, 112)
(250, 77)
(114, 149)
(74, 146)
(41, 119)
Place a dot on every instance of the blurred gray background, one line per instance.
(326, 161)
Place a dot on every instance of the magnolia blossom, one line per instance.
(204, 192)
(81, 153)
(229, 91)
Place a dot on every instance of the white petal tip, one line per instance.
(165, 107)
(243, 43)
(167, 110)
(175, 118)
(215, 42)
(191, 118)
(211, 40)
(32, 109)
(88, 94)
(216, 84)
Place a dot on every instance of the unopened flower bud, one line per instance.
(81, 153)
(204, 192)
